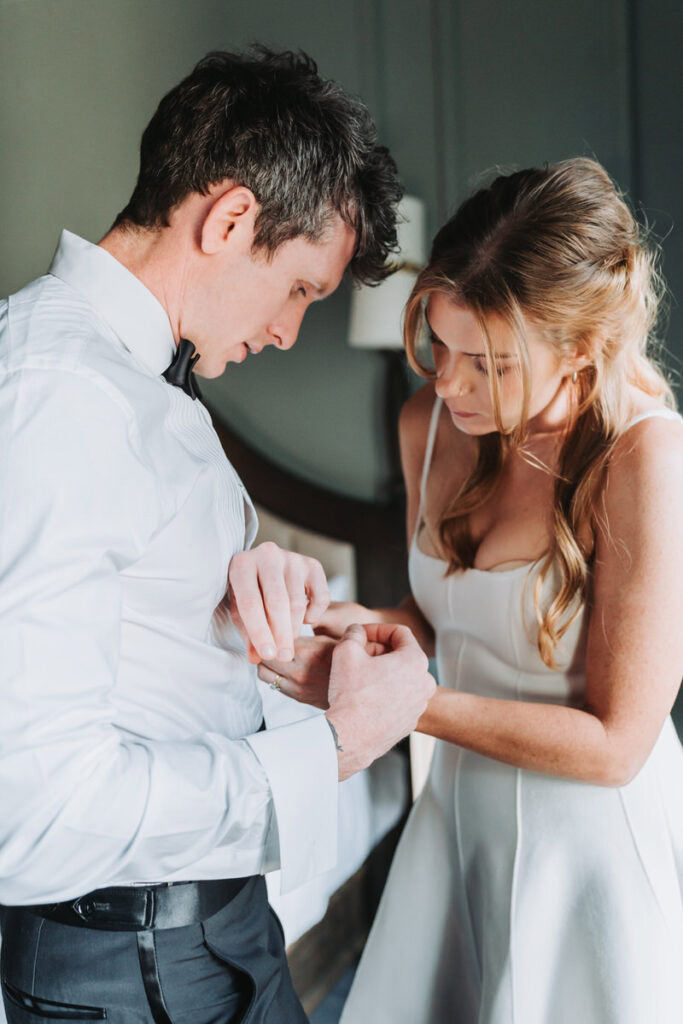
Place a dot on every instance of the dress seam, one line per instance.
(456, 786)
(639, 854)
(513, 893)
(458, 837)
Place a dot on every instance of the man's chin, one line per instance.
(237, 354)
(214, 366)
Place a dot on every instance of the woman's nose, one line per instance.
(452, 381)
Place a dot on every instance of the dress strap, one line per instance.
(668, 414)
(429, 449)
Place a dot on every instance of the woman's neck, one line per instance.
(554, 419)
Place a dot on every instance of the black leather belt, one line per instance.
(124, 908)
(143, 909)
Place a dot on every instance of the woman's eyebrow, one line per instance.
(475, 355)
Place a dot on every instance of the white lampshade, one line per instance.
(411, 231)
(376, 312)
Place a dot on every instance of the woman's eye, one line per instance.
(302, 290)
(436, 341)
(480, 367)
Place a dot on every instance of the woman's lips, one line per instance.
(464, 415)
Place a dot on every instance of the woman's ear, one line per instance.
(230, 221)
(583, 354)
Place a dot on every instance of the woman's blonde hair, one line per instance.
(556, 247)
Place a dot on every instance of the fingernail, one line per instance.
(268, 652)
(286, 654)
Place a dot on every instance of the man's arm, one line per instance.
(82, 803)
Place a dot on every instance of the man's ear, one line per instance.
(230, 217)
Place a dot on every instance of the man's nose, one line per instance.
(285, 330)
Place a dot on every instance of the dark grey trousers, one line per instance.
(230, 968)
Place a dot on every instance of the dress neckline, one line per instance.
(431, 437)
(414, 546)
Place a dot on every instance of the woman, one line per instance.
(538, 880)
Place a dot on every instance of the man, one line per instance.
(142, 801)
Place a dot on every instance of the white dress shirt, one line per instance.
(129, 749)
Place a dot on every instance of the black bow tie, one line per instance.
(180, 371)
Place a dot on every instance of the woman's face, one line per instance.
(459, 354)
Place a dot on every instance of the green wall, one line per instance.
(456, 88)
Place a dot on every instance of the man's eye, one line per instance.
(302, 290)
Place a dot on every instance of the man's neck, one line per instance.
(157, 260)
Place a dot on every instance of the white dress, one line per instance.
(516, 897)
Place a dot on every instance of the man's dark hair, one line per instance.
(302, 145)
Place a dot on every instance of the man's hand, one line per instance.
(375, 701)
(307, 677)
(272, 592)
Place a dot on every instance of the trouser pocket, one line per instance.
(240, 1002)
(48, 1009)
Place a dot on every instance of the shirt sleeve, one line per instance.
(300, 760)
(83, 804)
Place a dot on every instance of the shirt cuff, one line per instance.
(300, 761)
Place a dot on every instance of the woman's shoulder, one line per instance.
(414, 421)
(652, 432)
(413, 430)
(646, 466)
(417, 410)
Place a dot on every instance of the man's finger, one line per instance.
(247, 599)
(374, 649)
(355, 632)
(390, 635)
(295, 581)
(253, 655)
(276, 603)
(317, 591)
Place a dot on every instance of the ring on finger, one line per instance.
(275, 683)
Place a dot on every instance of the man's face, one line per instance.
(243, 301)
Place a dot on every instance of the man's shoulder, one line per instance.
(48, 323)
(48, 328)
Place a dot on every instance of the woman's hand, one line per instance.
(307, 677)
(340, 615)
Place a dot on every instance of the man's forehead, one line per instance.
(327, 258)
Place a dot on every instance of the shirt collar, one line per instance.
(137, 318)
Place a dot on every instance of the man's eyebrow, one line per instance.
(475, 355)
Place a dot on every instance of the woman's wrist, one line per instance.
(428, 723)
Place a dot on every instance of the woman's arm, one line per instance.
(634, 658)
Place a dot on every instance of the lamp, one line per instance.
(376, 312)
(375, 323)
